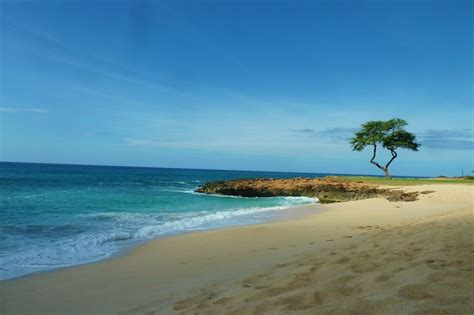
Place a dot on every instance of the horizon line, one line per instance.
(209, 169)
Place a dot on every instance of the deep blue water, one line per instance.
(60, 215)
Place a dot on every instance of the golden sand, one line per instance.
(361, 257)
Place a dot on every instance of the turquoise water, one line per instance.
(61, 215)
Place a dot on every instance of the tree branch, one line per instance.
(373, 157)
(394, 156)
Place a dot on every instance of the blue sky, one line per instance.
(255, 85)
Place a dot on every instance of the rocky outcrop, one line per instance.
(327, 189)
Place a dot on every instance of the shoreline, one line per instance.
(274, 215)
(173, 274)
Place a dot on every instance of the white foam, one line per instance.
(202, 219)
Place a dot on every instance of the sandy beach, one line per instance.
(360, 257)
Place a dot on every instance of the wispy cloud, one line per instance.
(458, 139)
(449, 144)
(15, 109)
(337, 134)
(447, 133)
(305, 130)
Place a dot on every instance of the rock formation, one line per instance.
(327, 189)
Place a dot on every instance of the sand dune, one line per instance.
(362, 257)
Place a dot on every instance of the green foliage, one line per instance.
(400, 139)
(390, 134)
(371, 133)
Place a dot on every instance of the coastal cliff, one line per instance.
(327, 189)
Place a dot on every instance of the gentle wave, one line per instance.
(195, 222)
(119, 229)
(83, 248)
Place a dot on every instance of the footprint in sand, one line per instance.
(415, 292)
(223, 300)
(436, 263)
(183, 304)
(269, 292)
(317, 298)
(343, 260)
(383, 278)
(399, 269)
(363, 267)
(282, 265)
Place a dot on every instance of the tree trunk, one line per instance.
(383, 168)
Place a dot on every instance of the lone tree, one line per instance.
(389, 134)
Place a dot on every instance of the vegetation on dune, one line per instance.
(389, 134)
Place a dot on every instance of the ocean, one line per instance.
(62, 215)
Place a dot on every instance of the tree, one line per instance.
(389, 134)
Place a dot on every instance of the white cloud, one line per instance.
(31, 110)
